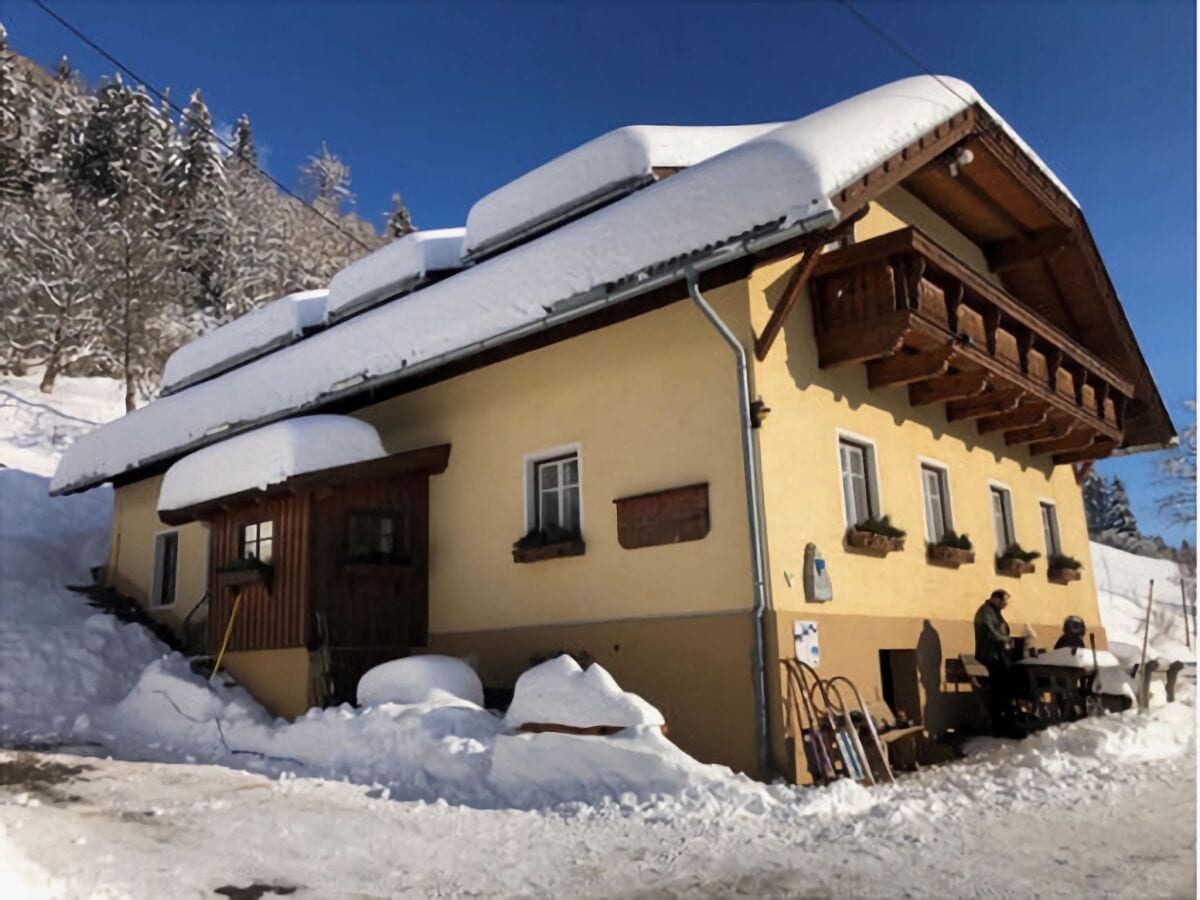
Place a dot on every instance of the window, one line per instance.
(166, 568)
(859, 490)
(1050, 529)
(1002, 518)
(372, 536)
(556, 493)
(257, 540)
(936, 489)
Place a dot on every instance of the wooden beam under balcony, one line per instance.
(907, 368)
(1055, 426)
(1026, 415)
(989, 403)
(1077, 439)
(1098, 449)
(947, 387)
(865, 341)
(1044, 244)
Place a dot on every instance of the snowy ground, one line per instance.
(354, 802)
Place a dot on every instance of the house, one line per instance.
(650, 407)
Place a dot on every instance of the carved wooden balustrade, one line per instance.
(919, 316)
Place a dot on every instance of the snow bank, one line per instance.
(1122, 587)
(396, 268)
(784, 178)
(606, 166)
(58, 657)
(261, 330)
(266, 456)
(560, 692)
(421, 679)
(35, 428)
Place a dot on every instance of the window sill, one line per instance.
(243, 576)
(548, 551)
(952, 557)
(868, 542)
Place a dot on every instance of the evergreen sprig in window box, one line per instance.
(876, 536)
(245, 571)
(551, 542)
(1062, 568)
(952, 550)
(1016, 561)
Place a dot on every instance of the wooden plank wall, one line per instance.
(267, 619)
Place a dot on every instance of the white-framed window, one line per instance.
(1002, 519)
(1050, 529)
(860, 480)
(935, 489)
(166, 568)
(554, 491)
(258, 540)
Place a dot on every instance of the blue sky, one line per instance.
(444, 102)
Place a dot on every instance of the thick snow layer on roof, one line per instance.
(399, 266)
(625, 157)
(784, 178)
(560, 692)
(266, 456)
(271, 325)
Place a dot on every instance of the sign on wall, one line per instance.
(807, 643)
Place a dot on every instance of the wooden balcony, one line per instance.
(916, 315)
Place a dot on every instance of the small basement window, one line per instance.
(1002, 518)
(556, 500)
(372, 537)
(860, 488)
(257, 541)
(166, 568)
(1050, 530)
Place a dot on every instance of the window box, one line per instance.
(950, 556)
(872, 542)
(1009, 565)
(1063, 574)
(553, 550)
(242, 572)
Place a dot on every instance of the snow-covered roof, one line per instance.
(260, 331)
(396, 268)
(779, 183)
(594, 173)
(265, 456)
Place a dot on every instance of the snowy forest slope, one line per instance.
(126, 229)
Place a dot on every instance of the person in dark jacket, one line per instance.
(993, 648)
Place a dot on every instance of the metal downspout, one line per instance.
(753, 512)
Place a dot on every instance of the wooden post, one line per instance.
(1144, 687)
(1187, 632)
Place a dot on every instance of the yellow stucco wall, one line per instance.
(802, 487)
(131, 551)
(651, 403)
(278, 679)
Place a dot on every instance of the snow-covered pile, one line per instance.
(267, 456)
(421, 679)
(35, 428)
(1122, 587)
(395, 268)
(58, 657)
(603, 167)
(782, 179)
(560, 692)
(261, 330)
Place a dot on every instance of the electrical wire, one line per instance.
(164, 98)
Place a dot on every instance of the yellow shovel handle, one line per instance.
(237, 602)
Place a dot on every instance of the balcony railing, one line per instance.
(919, 316)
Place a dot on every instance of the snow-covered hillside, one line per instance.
(1123, 585)
(35, 428)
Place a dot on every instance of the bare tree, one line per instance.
(1177, 475)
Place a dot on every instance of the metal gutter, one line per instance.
(754, 515)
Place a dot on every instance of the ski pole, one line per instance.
(1144, 693)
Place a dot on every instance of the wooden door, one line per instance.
(370, 580)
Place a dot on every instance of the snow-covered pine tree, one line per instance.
(325, 182)
(324, 239)
(399, 221)
(1097, 499)
(1119, 517)
(18, 117)
(244, 150)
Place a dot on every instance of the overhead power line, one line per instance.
(164, 98)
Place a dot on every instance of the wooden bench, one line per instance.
(966, 669)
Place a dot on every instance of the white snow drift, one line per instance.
(421, 679)
(266, 456)
(396, 268)
(259, 331)
(560, 692)
(783, 179)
